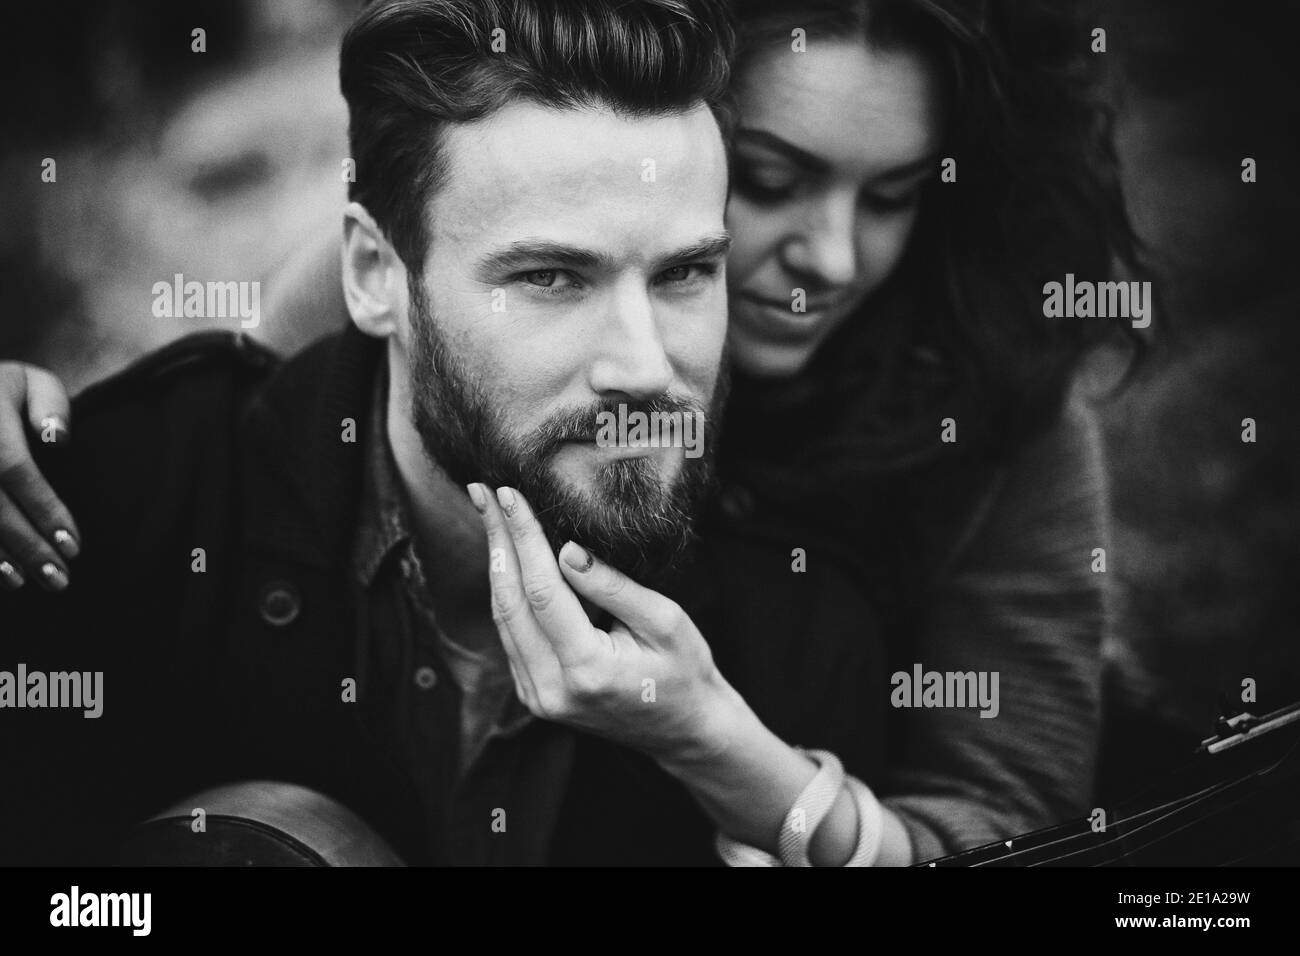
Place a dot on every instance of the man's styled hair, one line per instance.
(410, 66)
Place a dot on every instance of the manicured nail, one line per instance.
(507, 499)
(55, 579)
(54, 429)
(66, 543)
(477, 496)
(577, 557)
(11, 575)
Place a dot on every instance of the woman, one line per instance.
(931, 312)
(907, 177)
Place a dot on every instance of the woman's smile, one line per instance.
(785, 321)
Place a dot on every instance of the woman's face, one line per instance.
(833, 147)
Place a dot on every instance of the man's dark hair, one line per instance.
(410, 66)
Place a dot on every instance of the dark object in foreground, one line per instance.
(261, 823)
(1234, 803)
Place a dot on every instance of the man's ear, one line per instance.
(374, 277)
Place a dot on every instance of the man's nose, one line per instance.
(824, 246)
(631, 360)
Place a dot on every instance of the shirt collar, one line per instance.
(386, 534)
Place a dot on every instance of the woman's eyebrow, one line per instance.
(787, 149)
(815, 164)
(906, 171)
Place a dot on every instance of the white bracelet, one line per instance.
(808, 812)
(810, 808)
(871, 823)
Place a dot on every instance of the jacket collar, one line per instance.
(384, 524)
(305, 435)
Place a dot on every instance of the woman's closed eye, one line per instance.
(766, 183)
(893, 201)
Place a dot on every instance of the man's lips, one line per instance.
(612, 451)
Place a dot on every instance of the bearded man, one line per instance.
(400, 569)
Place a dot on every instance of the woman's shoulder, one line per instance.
(1047, 499)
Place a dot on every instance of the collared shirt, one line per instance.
(490, 776)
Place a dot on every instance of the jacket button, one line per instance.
(280, 604)
(425, 677)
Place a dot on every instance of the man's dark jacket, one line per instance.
(217, 496)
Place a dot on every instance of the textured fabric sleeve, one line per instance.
(1019, 597)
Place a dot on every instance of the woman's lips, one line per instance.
(776, 320)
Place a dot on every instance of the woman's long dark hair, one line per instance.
(958, 331)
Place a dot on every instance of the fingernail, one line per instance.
(476, 495)
(507, 499)
(577, 557)
(11, 575)
(55, 427)
(66, 543)
(54, 576)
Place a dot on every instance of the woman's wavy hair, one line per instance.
(958, 330)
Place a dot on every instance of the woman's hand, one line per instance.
(37, 534)
(649, 682)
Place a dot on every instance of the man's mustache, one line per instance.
(582, 424)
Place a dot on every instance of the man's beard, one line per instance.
(630, 519)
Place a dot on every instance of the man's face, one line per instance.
(576, 264)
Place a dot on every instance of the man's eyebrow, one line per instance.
(709, 247)
(530, 252)
(816, 164)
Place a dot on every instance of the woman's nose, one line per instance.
(824, 247)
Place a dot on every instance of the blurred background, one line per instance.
(223, 165)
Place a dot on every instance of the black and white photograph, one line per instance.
(650, 433)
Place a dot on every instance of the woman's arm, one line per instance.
(1020, 597)
(304, 300)
(748, 788)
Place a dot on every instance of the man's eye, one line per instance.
(675, 275)
(550, 281)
